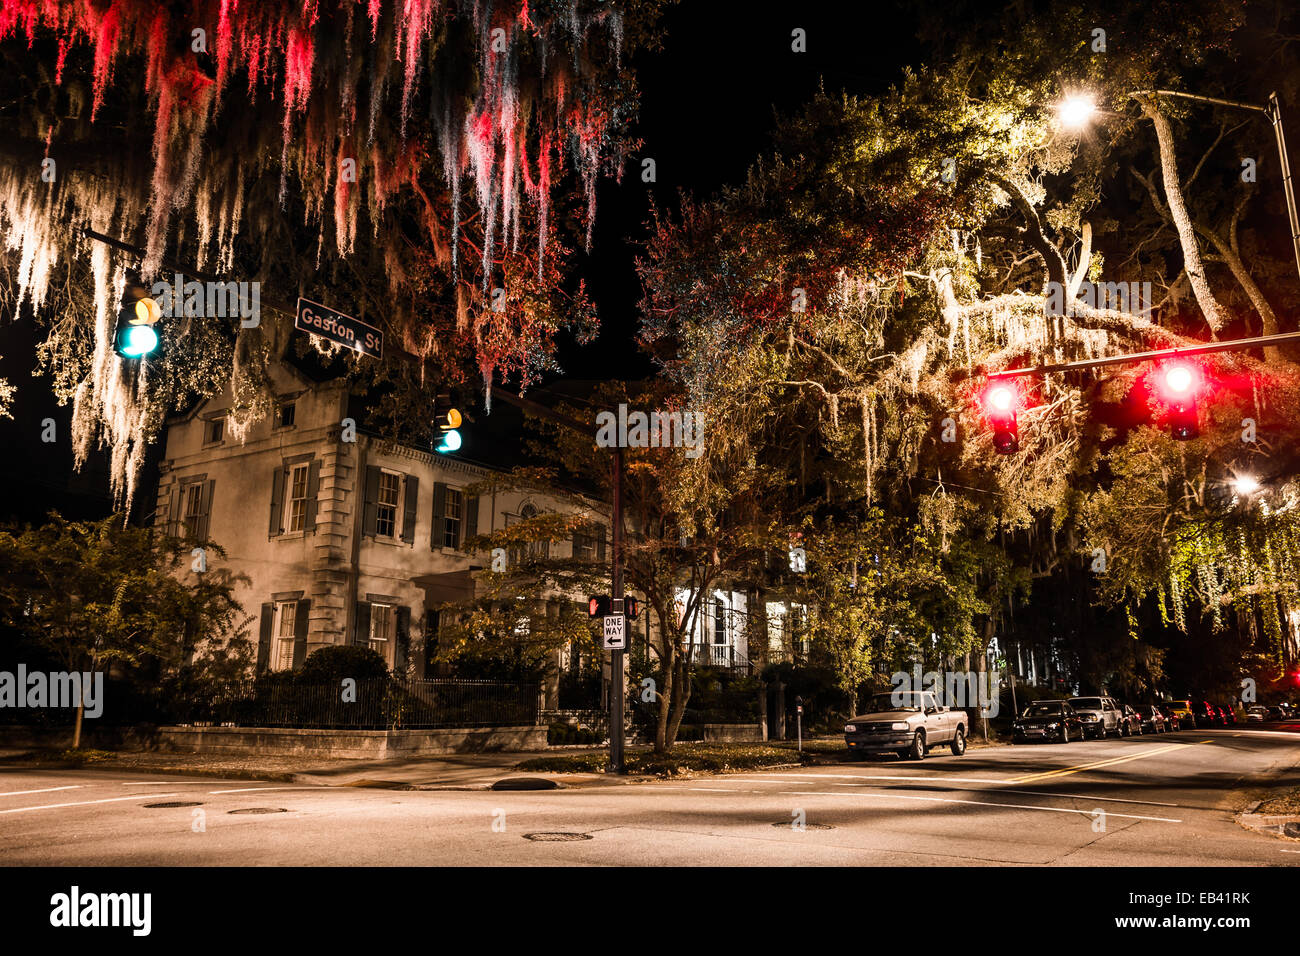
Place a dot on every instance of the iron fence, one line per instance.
(369, 705)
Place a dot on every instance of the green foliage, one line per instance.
(336, 663)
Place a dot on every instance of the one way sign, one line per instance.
(615, 632)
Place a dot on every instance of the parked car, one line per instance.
(1100, 715)
(1207, 715)
(907, 723)
(1154, 719)
(1047, 720)
(1276, 713)
(1229, 713)
(1130, 721)
(1256, 714)
(1181, 711)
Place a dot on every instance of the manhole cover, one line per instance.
(789, 824)
(556, 837)
(173, 803)
(525, 783)
(259, 810)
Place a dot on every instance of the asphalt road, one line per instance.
(1165, 800)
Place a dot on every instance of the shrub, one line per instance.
(331, 665)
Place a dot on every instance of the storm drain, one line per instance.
(789, 825)
(173, 804)
(259, 810)
(556, 837)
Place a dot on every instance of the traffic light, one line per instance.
(447, 421)
(598, 605)
(1179, 385)
(631, 607)
(1001, 402)
(136, 337)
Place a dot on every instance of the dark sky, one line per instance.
(707, 109)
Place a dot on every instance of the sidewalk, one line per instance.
(477, 771)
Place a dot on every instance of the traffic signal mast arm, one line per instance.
(1233, 345)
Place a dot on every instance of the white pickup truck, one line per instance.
(907, 723)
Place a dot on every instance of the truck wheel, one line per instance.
(917, 750)
(959, 743)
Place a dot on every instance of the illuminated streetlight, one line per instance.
(1074, 112)
(1245, 484)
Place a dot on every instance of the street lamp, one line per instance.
(1077, 109)
(1245, 485)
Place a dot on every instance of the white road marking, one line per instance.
(83, 803)
(978, 803)
(720, 790)
(1041, 793)
(260, 789)
(152, 783)
(19, 793)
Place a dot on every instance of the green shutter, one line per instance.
(264, 637)
(436, 531)
(277, 500)
(410, 498)
(371, 510)
(205, 520)
(402, 648)
(300, 633)
(362, 633)
(313, 491)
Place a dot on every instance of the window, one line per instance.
(214, 431)
(452, 512)
(390, 491)
(589, 543)
(295, 503)
(286, 619)
(194, 509)
(383, 630)
(720, 622)
(285, 415)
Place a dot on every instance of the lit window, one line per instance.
(390, 490)
(295, 517)
(451, 519)
(383, 628)
(286, 620)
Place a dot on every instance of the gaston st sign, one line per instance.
(327, 323)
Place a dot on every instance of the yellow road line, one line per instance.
(1064, 771)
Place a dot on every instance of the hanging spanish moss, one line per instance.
(268, 140)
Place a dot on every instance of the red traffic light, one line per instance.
(1180, 380)
(1179, 384)
(631, 607)
(1001, 401)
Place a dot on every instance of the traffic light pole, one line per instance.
(616, 594)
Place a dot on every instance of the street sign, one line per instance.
(344, 329)
(615, 632)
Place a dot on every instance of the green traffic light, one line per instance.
(451, 441)
(136, 341)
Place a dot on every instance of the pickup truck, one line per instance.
(907, 723)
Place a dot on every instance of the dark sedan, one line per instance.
(1047, 720)
(1130, 721)
(1207, 715)
(1154, 719)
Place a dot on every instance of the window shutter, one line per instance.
(206, 520)
(264, 637)
(600, 543)
(471, 519)
(300, 632)
(371, 510)
(362, 634)
(277, 500)
(402, 646)
(410, 498)
(174, 513)
(313, 490)
(439, 513)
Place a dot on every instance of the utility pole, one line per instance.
(616, 599)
